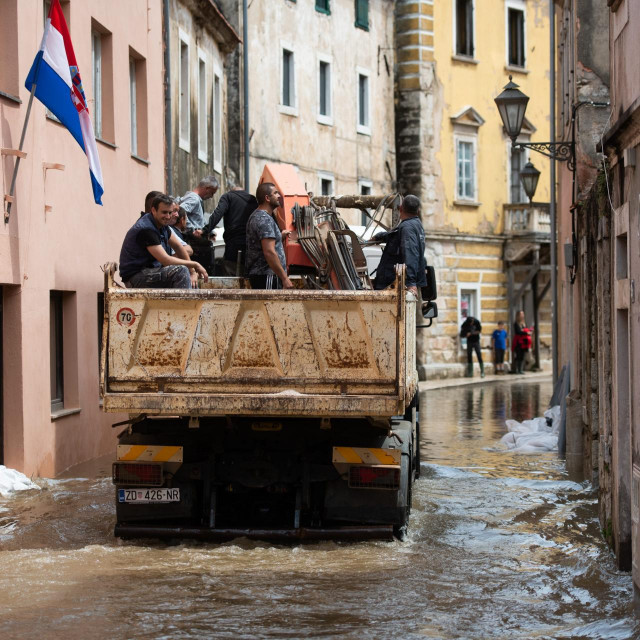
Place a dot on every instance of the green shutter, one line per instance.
(323, 6)
(362, 14)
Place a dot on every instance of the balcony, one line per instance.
(524, 219)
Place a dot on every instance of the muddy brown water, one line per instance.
(500, 546)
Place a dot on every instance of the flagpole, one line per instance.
(18, 158)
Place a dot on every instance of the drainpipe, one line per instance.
(552, 204)
(166, 36)
(245, 82)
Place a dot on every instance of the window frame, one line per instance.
(325, 175)
(368, 184)
(515, 5)
(324, 10)
(203, 108)
(56, 349)
(471, 138)
(133, 105)
(364, 129)
(476, 289)
(96, 78)
(216, 116)
(288, 109)
(464, 56)
(525, 159)
(184, 120)
(326, 119)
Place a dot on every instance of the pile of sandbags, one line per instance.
(533, 436)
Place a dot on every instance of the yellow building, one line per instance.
(454, 57)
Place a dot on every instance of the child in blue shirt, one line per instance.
(499, 346)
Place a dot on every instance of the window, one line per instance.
(515, 35)
(133, 107)
(464, 27)
(323, 6)
(202, 108)
(184, 130)
(466, 169)
(326, 184)
(100, 324)
(288, 95)
(468, 305)
(46, 8)
(324, 91)
(96, 67)
(364, 120)
(287, 78)
(138, 105)
(217, 120)
(365, 187)
(516, 190)
(9, 72)
(362, 14)
(56, 350)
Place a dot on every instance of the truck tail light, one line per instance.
(138, 474)
(383, 477)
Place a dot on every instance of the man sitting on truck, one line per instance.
(266, 265)
(404, 245)
(145, 260)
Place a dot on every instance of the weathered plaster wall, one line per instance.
(63, 248)
(296, 136)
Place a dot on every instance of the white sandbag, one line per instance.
(12, 480)
(533, 436)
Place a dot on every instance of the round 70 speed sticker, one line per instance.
(125, 316)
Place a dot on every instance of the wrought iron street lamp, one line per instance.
(512, 104)
(529, 176)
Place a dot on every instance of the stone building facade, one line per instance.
(198, 41)
(453, 153)
(599, 231)
(321, 78)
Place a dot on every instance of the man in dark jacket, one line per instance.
(404, 245)
(234, 207)
(471, 329)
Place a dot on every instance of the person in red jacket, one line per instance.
(521, 343)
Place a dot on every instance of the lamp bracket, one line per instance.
(562, 151)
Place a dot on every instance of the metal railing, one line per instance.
(523, 218)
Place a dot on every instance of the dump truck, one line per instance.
(271, 414)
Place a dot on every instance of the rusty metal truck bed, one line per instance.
(212, 352)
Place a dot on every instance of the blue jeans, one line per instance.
(174, 276)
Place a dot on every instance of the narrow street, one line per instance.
(500, 546)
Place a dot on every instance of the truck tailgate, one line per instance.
(240, 351)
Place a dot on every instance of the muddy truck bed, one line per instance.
(234, 351)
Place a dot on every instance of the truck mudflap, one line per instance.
(302, 534)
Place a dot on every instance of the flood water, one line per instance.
(500, 546)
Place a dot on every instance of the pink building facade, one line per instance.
(56, 240)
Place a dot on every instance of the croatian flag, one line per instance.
(59, 87)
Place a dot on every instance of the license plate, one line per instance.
(146, 496)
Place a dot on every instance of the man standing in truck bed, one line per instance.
(405, 245)
(234, 207)
(266, 264)
(145, 259)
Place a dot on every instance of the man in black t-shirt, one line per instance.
(145, 259)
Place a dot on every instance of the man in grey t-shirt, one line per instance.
(266, 265)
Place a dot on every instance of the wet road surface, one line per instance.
(500, 546)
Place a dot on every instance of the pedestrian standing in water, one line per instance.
(471, 329)
(521, 343)
(499, 346)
